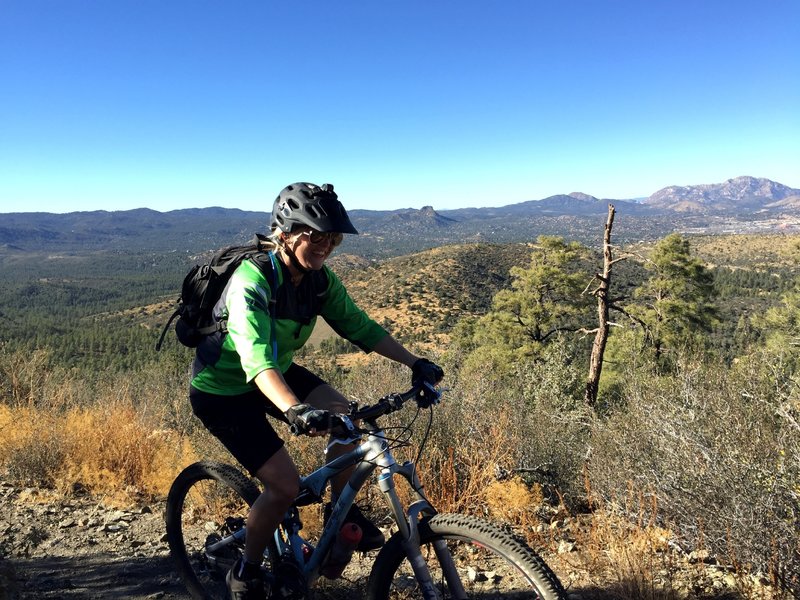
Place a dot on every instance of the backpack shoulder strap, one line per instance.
(166, 328)
(273, 299)
(275, 277)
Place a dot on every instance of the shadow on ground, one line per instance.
(609, 593)
(108, 576)
(98, 576)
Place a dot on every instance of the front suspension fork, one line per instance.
(409, 530)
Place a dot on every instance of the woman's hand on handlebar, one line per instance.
(426, 371)
(304, 419)
(424, 375)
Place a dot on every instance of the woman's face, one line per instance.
(312, 248)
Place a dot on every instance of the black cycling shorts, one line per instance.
(240, 422)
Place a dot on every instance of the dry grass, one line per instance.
(640, 560)
(635, 557)
(125, 443)
(111, 450)
(752, 251)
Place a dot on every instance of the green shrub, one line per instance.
(718, 449)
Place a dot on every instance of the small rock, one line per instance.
(565, 547)
(79, 489)
(701, 556)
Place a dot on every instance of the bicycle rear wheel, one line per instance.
(208, 502)
(491, 563)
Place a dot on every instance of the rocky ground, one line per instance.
(79, 548)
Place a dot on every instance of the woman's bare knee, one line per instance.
(328, 398)
(280, 477)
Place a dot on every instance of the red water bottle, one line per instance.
(342, 550)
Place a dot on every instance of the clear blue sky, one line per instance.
(118, 104)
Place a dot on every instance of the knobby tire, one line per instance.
(492, 563)
(207, 501)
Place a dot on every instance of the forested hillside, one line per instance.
(104, 309)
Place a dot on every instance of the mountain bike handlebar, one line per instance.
(342, 425)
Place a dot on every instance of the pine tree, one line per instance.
(781, 324)
(675, 305)
(544, 300)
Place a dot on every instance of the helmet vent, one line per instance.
(309, 205)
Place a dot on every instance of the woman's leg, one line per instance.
(281, 485)
(327, 398)
(330, 399)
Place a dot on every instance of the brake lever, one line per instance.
(343, 428)
(429, 394)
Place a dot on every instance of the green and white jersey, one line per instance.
(226, 364)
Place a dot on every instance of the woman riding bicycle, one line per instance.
(248, 373)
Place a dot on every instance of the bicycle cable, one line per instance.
(424, 442)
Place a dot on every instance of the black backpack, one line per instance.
(203, 287)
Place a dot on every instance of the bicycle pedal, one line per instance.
(289, 582)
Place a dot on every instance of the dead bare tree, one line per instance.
(601, 292)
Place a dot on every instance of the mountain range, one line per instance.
(733, 196)
(741, 203)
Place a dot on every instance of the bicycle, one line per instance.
(431, 555)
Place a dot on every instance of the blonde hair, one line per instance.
(272, 241)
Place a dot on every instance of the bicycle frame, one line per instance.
(372, 454)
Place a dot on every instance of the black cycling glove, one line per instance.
(303, 417)
(425, 371)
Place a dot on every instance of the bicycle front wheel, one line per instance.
(490, 562)
(205, 516)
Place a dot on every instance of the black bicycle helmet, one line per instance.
(308, 204)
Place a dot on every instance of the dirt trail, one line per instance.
(78, 548)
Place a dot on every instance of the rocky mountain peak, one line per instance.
(424, 216)
(582, 196)
(739, 193)
(427, 211)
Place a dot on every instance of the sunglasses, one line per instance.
(316, 237)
